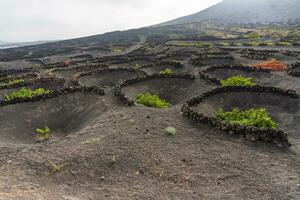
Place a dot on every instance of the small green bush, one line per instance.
(36, 66)
(12, 82)
(283, 44)
(251, 43)
(25, 93)
(254, 117)
(16, 81)
(252, 36)
(166, 72)
(238, 81)
(115, 160)
(56, 168)
(266, 44)
(117, 50)
(43, 133)
(137, 66)
(150, 100)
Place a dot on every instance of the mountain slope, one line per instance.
(246, 11)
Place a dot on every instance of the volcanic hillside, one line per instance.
(246, 11)
(139, 115)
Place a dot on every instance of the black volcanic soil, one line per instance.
(173, 90)
(107, 79)
(107, 150)
(157, 68)
(66, 74)
(64, 115)
(197, 163)
(225, 73)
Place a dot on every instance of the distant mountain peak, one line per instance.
(246, 11)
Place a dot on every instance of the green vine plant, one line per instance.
(115, 160)
(193, 44)
(253, 117)
(36, 66)
(238, 81)
(166, 72)
(56, 168)
(151, 100)
(136, 66)
(12, 82)
(25, 93)
(43, 133)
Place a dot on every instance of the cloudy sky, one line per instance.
(32, 20)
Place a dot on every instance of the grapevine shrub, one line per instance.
(43, 133)
(151, 100)
(25, 93)
(193, 44)
(238, 81)
(254, 117)
(166, 72)
(12, 82)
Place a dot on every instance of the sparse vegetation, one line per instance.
(238, 81)
(48, 71)
(151, 100)
(254, 117)
(166, 72)
(133, 115)
(25, 93)
(118, 50)
(115, 160)
(12, 82)
(137, 66)
(43, 133)
(36, 66)
(252, 36)
(283, 44)
(266, 44)
(253, 43)
(56, 168)
(136, 114)
(147, 48)
(193, 44)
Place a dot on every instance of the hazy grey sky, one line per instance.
(30, 20)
